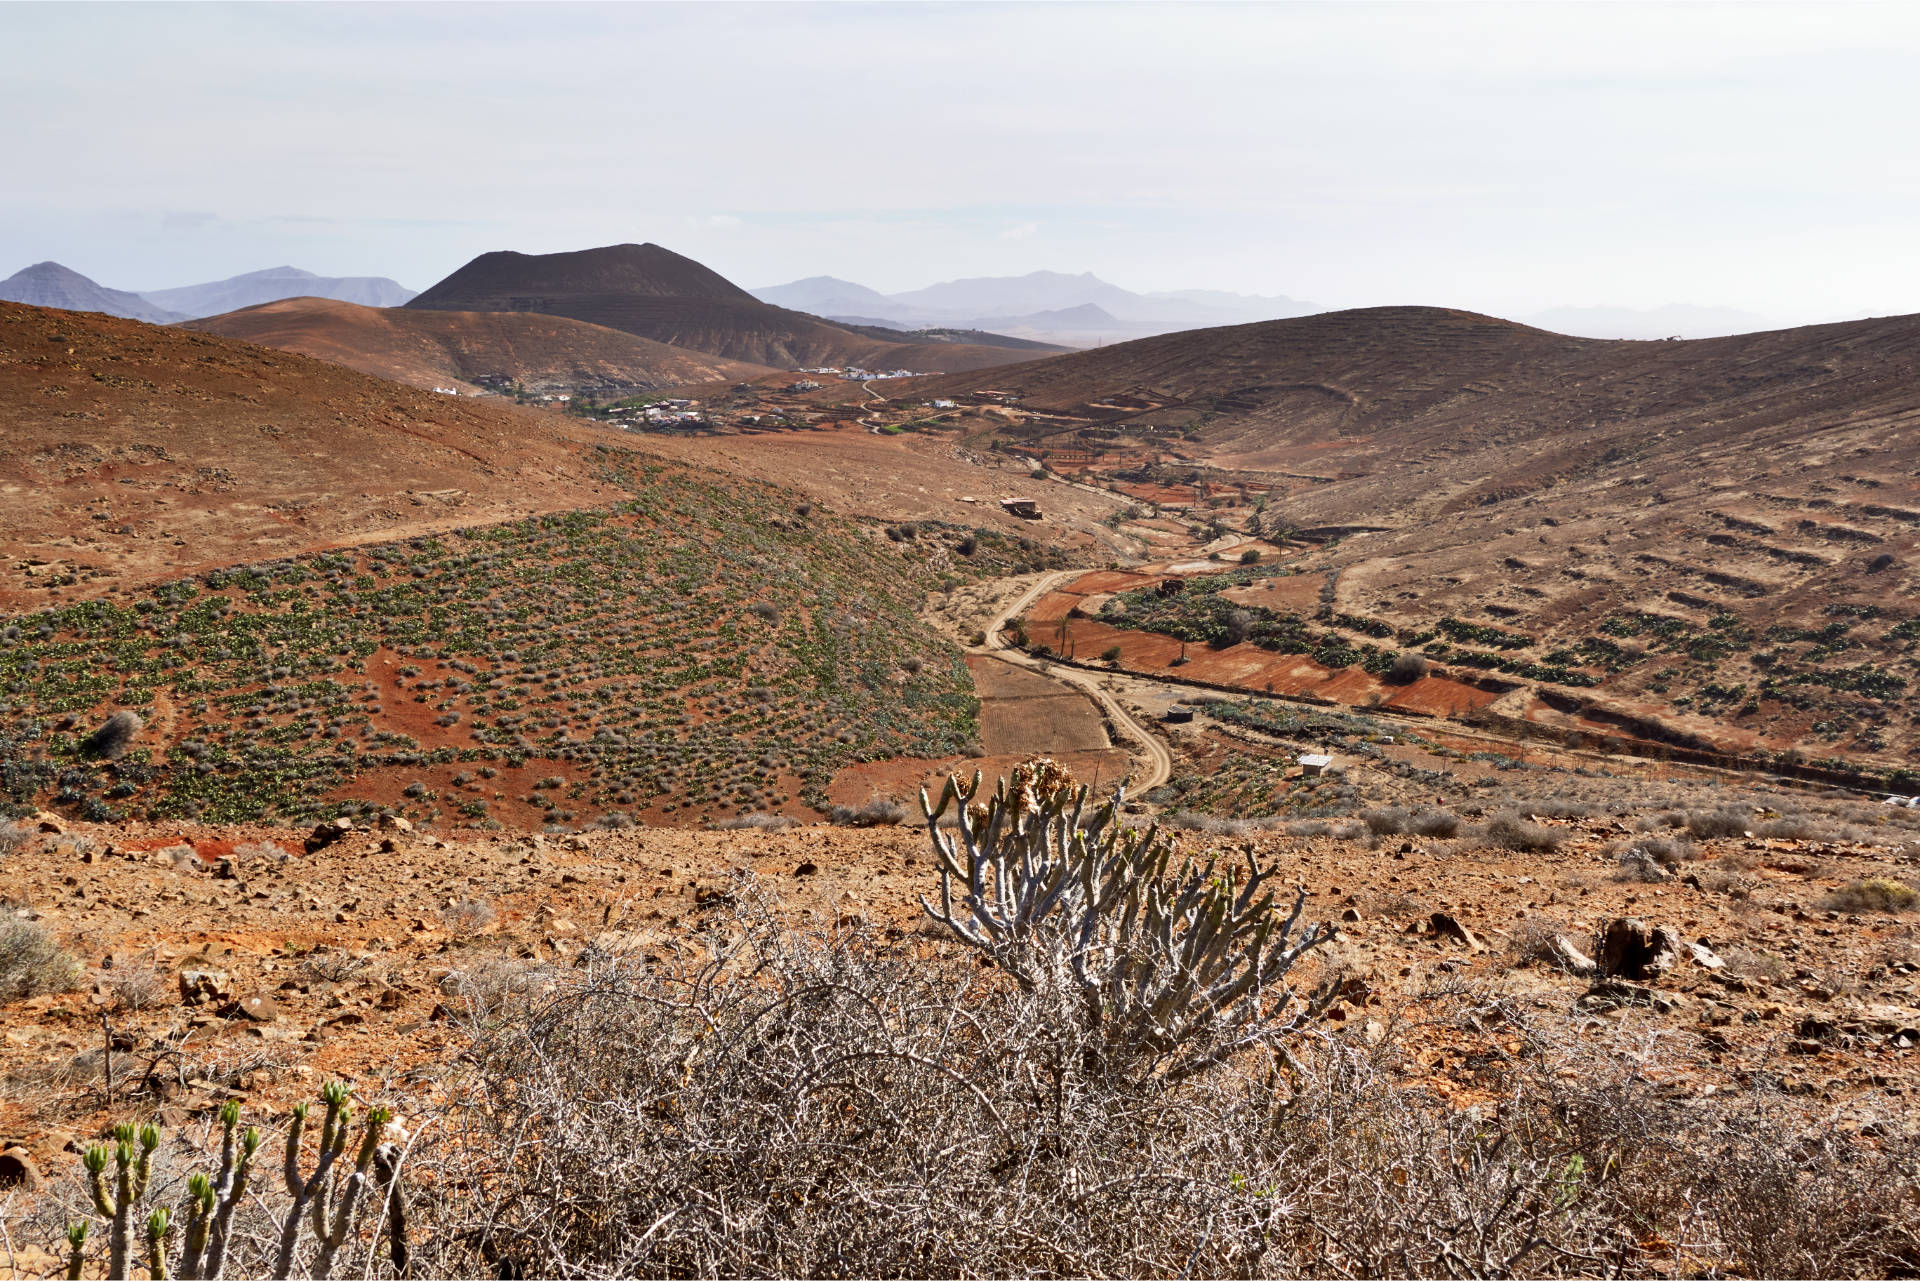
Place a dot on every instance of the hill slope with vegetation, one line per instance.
(694, 651)
(1711, 542)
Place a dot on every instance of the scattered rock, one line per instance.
(198, 987)
(394, 823)
(257, 1007)
(1704, 957)
(17, 1171)
(1632, 949)
(1351, 916)
(1448, 927)
(806, 869)
(327, 833)
(1566, 954)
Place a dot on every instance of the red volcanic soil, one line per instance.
(436, 348)
(1295, 593)
(1022, 714)
(1243, 667)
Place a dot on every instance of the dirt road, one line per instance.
(1159, 761)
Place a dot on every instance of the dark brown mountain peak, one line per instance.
(490, 281)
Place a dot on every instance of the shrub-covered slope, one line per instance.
(697, 650)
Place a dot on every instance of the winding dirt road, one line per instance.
(1147, 745)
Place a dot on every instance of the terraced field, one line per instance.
(1708, 545)
(698, 650)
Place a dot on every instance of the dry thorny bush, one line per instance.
(779, 1103)
(769, 1102)
(761, 1100)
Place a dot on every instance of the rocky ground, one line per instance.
(218, 963)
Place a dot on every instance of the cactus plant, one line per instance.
(76, 1249)
(1184, 964)
(200, 1203)
(131, 1167)
(158, 1224)
(313, 1195)
(333, 1234)
(211, 1201)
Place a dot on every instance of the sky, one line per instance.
(1500, 157)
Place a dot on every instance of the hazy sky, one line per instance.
(1500, 157)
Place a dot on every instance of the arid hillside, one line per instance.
(130, 452)
(1705, 541)
(438, 348)
(318, 590)
(657, 294)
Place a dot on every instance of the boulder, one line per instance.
(257, 1007)
(1566, 954)
(1704, 957)
(1632, 949)
(1448, 927)
(327, 833)
(17, 1171)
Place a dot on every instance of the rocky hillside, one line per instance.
(454, 348)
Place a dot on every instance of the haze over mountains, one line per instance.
(1048, 307)
(1673, 320)
(273, 284)
(1074, 310)
(48, 284)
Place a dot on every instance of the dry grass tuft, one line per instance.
(1873, 894)
(32, 963)
(1510, 831)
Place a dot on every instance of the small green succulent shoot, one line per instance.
(76, 1249)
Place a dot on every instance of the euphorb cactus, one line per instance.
(1180, 963)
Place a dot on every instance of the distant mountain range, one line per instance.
(654, 293)
(1049, 306)
(273, 284)
(1086, 311)
(48, 284)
